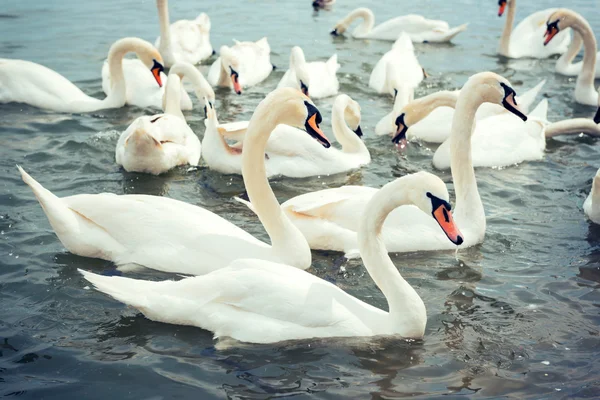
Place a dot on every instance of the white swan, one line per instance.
(390, 122)
(327, 218)
(435, 126)
(157, 143)
(524, 40)
(591, 205)
(317, 77)
(575, 126)
(323, 4)
(173, 236)
(398, 67)
(261, 302)
(243, 65)
(419, 29)
(183, 40)
(289, 151)
(565, 65)
(30, 83)
(558, 22)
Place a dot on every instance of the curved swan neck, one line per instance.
(573, 126)
(165, 31)
(297, 58)
(504, 47)
(347, 138)
(405, 305)
(419, 109)
(285, 237)
(201, 86)
(115, 69)
(588, 70)
(468, 202)
(172, 96)
(566, 59)
(366, 25)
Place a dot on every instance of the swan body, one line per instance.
(243, 65)
(566, 66)
(561, 20)
(173, 236)
(591, 206)
(155, 144)
(290, 151)
(184, 40)
(436, 126)
(398, 67)
(316, 79)
(526, 39)
(258, 301)
(327, 218)
(30, 83)
(418, 28)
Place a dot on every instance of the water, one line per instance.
(516, 316)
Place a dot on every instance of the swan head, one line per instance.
(429, 193)
(303, 78)
(401, 129)
(209, 109)
(560, 19)
(231, 65)
(501, 7)
(295, 109)
(154, 61)
(490, 87)
(352, 114)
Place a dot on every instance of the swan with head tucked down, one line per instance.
(435, 126)
(524, 40)
(157, 143)
(316, 79)
(591, 205)
(327, 218)
(289, 151)
(557, 23)
(30, 83)
(397, 68)
(243, 65)
(183, 40)
(263, 302)
(419, 29)
(173, 236)
(565, 64)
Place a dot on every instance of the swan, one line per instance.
(243, 65)
(289, 151)
(183, 40)
(323, 4)
(575, 126)
(157, 143)
(30, 83)
(398, 67)
(327, 218)
(558, 22)
(319, 76)
(419, 29)
(173, 236)
(435, 126)
(565, 65)
(591, 205)
(525, 41)
(258, 301)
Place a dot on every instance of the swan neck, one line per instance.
(297, 59)
(172, 96)
(567, 58)
(588, 70)
(347, 138)
(201, 86)
(508, 27)
(368, 21)
(468, 202)
(405, 305)
(163, 19)
(115, 69)
(573, 127)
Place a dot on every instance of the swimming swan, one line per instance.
(157, 143)
(316, 79)
(30, 83)
(289, 151)
(173, 236)
(327, 218)
(558, 22)
(524, 40)
(243, 65)
(183, 40)
(258, 301)
(419, 29)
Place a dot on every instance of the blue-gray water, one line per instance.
(517, 316)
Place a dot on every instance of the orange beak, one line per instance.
(444, 218)
(550, 33)
(235, 81)
(501, 8)
(156, 69)
(312, 122)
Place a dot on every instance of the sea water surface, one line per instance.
(515, 317)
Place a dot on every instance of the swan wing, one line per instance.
(251, 301)
(313, 203)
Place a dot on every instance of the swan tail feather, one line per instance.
(527, 99)
(455, 31)
(540, 111)
(60, 216)
(126, 290)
